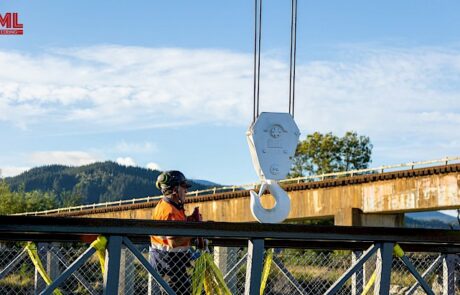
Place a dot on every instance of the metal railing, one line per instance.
(272, 258)
(233, 188)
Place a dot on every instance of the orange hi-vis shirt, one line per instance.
(167, 211)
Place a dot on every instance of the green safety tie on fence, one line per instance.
(398, 251)
(100, 244)
(33, 254)
(207, 275)
(266, 271)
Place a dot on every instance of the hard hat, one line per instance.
(169, 179)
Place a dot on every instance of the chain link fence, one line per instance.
(289, 271)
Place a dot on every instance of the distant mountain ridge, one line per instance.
(432, 215)
(431, 219)
(206, 183)
(96, 183)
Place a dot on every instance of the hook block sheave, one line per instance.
(272, 140)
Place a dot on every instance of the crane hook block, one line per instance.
(280, 210)
(272, 140)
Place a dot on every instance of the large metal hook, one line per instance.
(280, 210)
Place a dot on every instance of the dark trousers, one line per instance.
(172, 266)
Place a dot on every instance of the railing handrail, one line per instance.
(30, 227)
(253, 185)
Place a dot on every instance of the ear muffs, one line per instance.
(162, 179)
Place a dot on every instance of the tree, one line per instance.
(356, 151)
(21, 201)
(8, 200)
(69, 199)
(326, 153)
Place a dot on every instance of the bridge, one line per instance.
(371, 197)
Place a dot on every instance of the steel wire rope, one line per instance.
(292, 58)
(257, 50)
(257, 43)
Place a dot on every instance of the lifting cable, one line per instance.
(292, 57)
(257, 42)
(257, 47)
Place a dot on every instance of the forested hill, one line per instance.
(94, 183)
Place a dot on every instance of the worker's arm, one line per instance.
(178, 241)
(184, 241)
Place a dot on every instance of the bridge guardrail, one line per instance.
(214, 190)
(308, 259)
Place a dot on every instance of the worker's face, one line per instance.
(182, 192)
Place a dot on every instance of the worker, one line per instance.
(171, 255)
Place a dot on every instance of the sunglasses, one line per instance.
(185, 185)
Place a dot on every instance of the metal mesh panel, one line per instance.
(232, 262)
(401, 278)
(18, 271)
(311, 271)
(292, 271)
(85, 280)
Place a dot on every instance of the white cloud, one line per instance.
(397, 96)
(453, 213)
(153, 166)
(119, 86)
(12, 171)
(71, 158)
(126, 161)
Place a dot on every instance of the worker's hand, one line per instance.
(195, 216)
(201, 243)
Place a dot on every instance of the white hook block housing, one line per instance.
(273, 139)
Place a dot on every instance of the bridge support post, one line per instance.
(356, 217)
(448, 274)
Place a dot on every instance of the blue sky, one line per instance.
(168, 84)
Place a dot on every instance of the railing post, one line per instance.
(112, 266)
(254, 266)
(448, 274)
(384, 261)
(357, 280)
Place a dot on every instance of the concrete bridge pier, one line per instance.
(356, 217)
